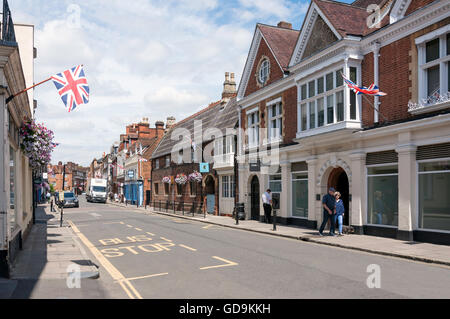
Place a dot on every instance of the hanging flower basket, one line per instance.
(166, 179)
(36, 143)
(195, 177)
(181, 179)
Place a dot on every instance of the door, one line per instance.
(210, 203)
(254, 193)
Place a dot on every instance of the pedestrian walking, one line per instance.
(267, 204)
(329, 211)
(340, 211)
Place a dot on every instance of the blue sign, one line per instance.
(204, 167)
(130, 174)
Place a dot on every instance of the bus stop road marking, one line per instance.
(187, 247)
(149, 276)
(227, 263)
(113, 271)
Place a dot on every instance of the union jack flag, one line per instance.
(371, 90)
(72, 86)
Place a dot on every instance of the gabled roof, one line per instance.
(345, 18)
(281, 41)
(216, 115)
(342, 18)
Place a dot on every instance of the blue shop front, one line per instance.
(133, 188)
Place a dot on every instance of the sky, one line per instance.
(142, 58)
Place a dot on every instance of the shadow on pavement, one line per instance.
(31, 260)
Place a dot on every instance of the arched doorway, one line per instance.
(339, 180)
(254, 193)
(210, 191)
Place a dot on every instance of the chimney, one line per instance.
(170, 122)
(285, 25)
(159, 128)
(229, 87)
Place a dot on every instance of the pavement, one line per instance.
(50, 255)
(422, 252)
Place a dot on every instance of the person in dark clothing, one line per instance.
(329, 211)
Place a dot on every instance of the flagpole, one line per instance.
(9, 99)
(370, 103)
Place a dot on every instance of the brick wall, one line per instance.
(367, 68)
(290, 114)
(275, 71)
(398, 77)
(289, 98)
(416, 5)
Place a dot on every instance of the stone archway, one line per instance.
(209, 186)
(338, 180)
(337, 173)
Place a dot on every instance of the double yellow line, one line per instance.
(113, 271)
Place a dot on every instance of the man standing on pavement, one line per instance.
(267, 204)
(329, 211)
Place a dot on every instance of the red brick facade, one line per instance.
(275, 71)
(397, 71)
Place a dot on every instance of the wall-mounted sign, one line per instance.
(204, 167)
(255, 167)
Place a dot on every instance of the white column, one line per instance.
(407, 220)
(358, 203)
(3, 161)
(286, 192)
(312, 214)
(376, 74)
(346, 92)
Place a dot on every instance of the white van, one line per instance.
(96, 190)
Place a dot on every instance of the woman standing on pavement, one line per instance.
(340, 210)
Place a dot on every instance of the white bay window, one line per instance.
(325, 103)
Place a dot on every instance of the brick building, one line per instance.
(207, 136)
(75, 177)
(130, 161)
(306, 131)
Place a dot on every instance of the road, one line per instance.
(147, 255)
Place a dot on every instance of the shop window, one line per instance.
(382, 193)
(12, 188)
(275, 183)
(228, 186)
(434, 202)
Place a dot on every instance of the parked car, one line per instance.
(71, 200)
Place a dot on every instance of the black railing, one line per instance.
(182, 208)
(8, 35)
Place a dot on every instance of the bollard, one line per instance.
(274, 220)
(237, 215)
(62, 212)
